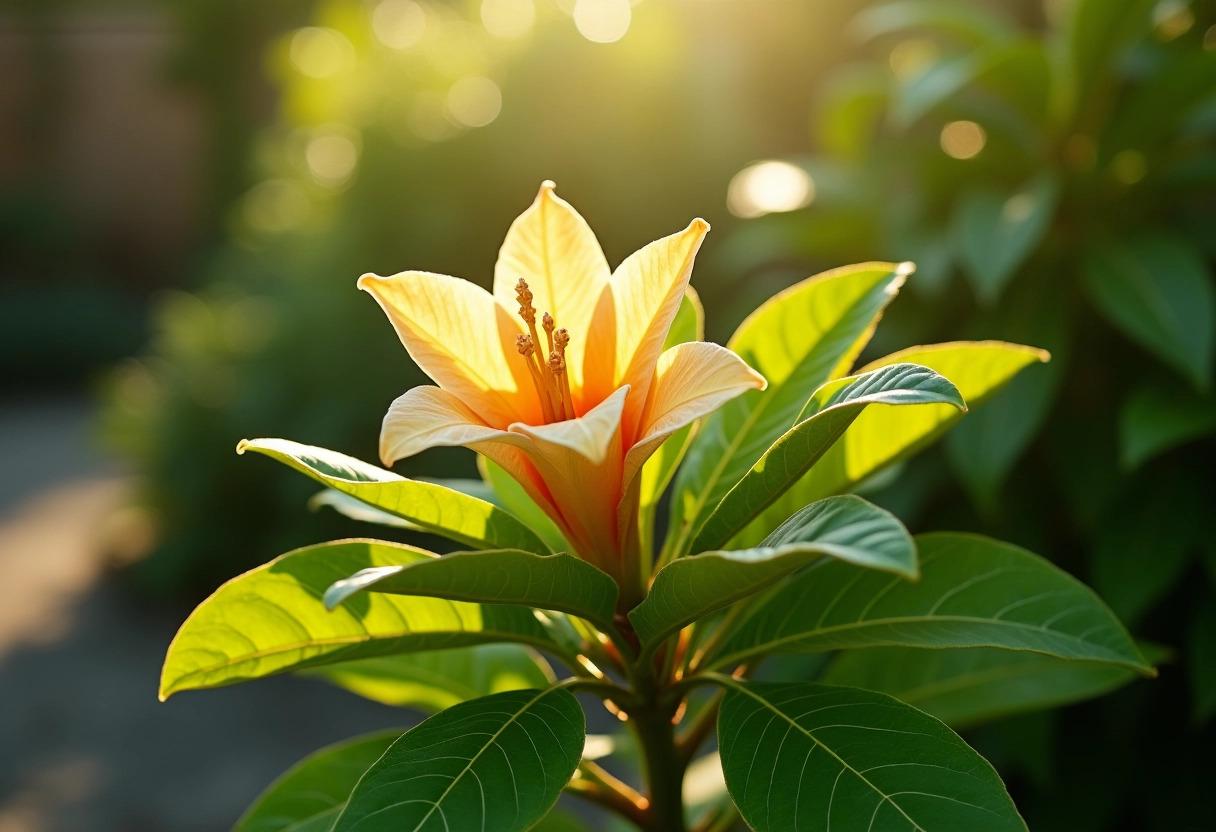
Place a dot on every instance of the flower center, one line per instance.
(549, 377)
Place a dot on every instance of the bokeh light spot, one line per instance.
(1129, 166)
(1172, 18)
(275, 205)
(474, 102)
(769, 187)
(963, 139)
(399, 24)
(910, 57)
(331, 159)
(508, 18)
(321, 53)
(602, 21)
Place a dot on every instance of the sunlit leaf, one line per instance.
(845, 527)
(801, 756)
(496, 764)
(881, 436)
(829, 413)
(966, 687)
(271, 620)
(502, 576)
(797, 340)
(513, 497)
(432, 507)
(973, 592)
(438, 679)
(309, 796)
(1158, 290)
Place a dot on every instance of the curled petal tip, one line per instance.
(548, 186)
(699, 225)
(364, 280)
(905, 268)
(241, 446)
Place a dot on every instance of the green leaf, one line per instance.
(513, 497)
(496, 764)
(439, 679)
(966, 687)
(1158, 291)
(973, 592)
(997, 231)
(1201, 661)
(797, 340)
(505, 576)
(309, 796)
(433, 508)
(559, 820)
(971, 25)
(271, 620)
(882, 436)
(831, 410)
(800, 756)
(1094, 34)
(846, 527)
(1156, 418)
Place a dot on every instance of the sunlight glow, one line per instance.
(319, 52)
(399, 24)
(769, 187)
(508, 18)
(963, 139)
(331, 159)
(603, 21)
(474, 102)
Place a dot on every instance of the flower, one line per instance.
(573, 408)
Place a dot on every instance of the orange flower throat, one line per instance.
(548, 377)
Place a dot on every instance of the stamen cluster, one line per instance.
(549, 377)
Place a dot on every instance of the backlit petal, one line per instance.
(590, 435)
(463, 339)
(428, 417)
(553, 249)
(691, 380)
(632, 319)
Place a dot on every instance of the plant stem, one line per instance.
(664, 766)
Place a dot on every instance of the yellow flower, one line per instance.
(559, 376)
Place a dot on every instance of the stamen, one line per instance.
(557, 365)
(527, 348)
(546, 321)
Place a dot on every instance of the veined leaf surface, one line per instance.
(826, 417)
(271, 620)
(797, 340)
(844, 527)
(503, 576)
(799, 757)
(433, 508)
(973, 592)
(496, 764)
(881, 436)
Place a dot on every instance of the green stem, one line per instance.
(664, 766)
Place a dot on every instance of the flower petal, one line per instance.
(632, 320)
(590, 435)
(462, 338)
(554, 249)
(691, 380)
(427, 417)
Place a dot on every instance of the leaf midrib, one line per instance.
(793, 723)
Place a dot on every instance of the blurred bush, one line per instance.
(1053, 176)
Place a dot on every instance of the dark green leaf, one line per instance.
(996, 232)
(271, 620)
(431, 507)
(1157, 289)
(830, 411)
(1201, 660)
(845, 527)
(797, 340)
(496, 764)
(965, 687)
(1157, 418)
(505, 576)
(439, 679)
(801, 756)
(311, 794)
(973, 592)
